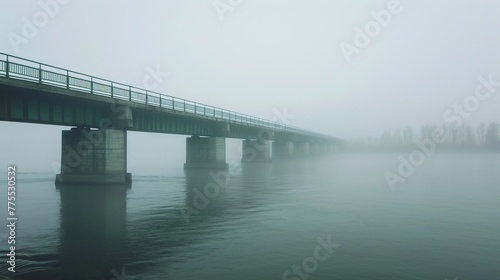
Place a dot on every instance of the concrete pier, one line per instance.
(206, 153)
(283, 149)
(315, 149)
(324, 148)
(96, 156)
(256, 150)
(301, 149)
(331, 148)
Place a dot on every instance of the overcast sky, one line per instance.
(260, 57)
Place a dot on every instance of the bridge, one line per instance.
(101, 112)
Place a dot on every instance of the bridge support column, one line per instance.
(315, 149)
(206, 153)
(332, 148)
(301, 149)
(256, 151)
(94, 157)
(323, 148)
(283, 149)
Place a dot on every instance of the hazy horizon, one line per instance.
(267, 59)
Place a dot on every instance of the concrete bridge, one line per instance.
(102, 111)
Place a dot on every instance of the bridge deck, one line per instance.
(31, 79)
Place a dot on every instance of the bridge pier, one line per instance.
(331, 148)
(206, 153)
(301, 149)
(324, 148)
(96, 156)
(315, 149)
(283, 149)
(256, 150)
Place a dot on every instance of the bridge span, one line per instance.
(102, 111)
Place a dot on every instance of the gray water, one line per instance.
(442, 223)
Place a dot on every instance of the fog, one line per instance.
(283, 60)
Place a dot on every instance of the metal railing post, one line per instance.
(7, 67)
(26, 69)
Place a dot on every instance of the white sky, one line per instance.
(267, 55)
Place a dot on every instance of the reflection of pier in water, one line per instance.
(97, 237)
(92, 230)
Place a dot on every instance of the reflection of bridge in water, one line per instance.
(102, 111)
(99, 237)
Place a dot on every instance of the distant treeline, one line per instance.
(483, 137)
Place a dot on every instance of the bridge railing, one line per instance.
(19, 68)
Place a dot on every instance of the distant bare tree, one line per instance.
(492, 132)
(469, 138)
(408, 137)
(456, 137)
(481, 134)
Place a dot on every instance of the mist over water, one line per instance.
(439, 224)
(411, 88)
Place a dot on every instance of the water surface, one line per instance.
(442, 223)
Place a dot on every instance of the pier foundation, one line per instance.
(256, 151)
(94, 156)
(283, 149)
(206, 153)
